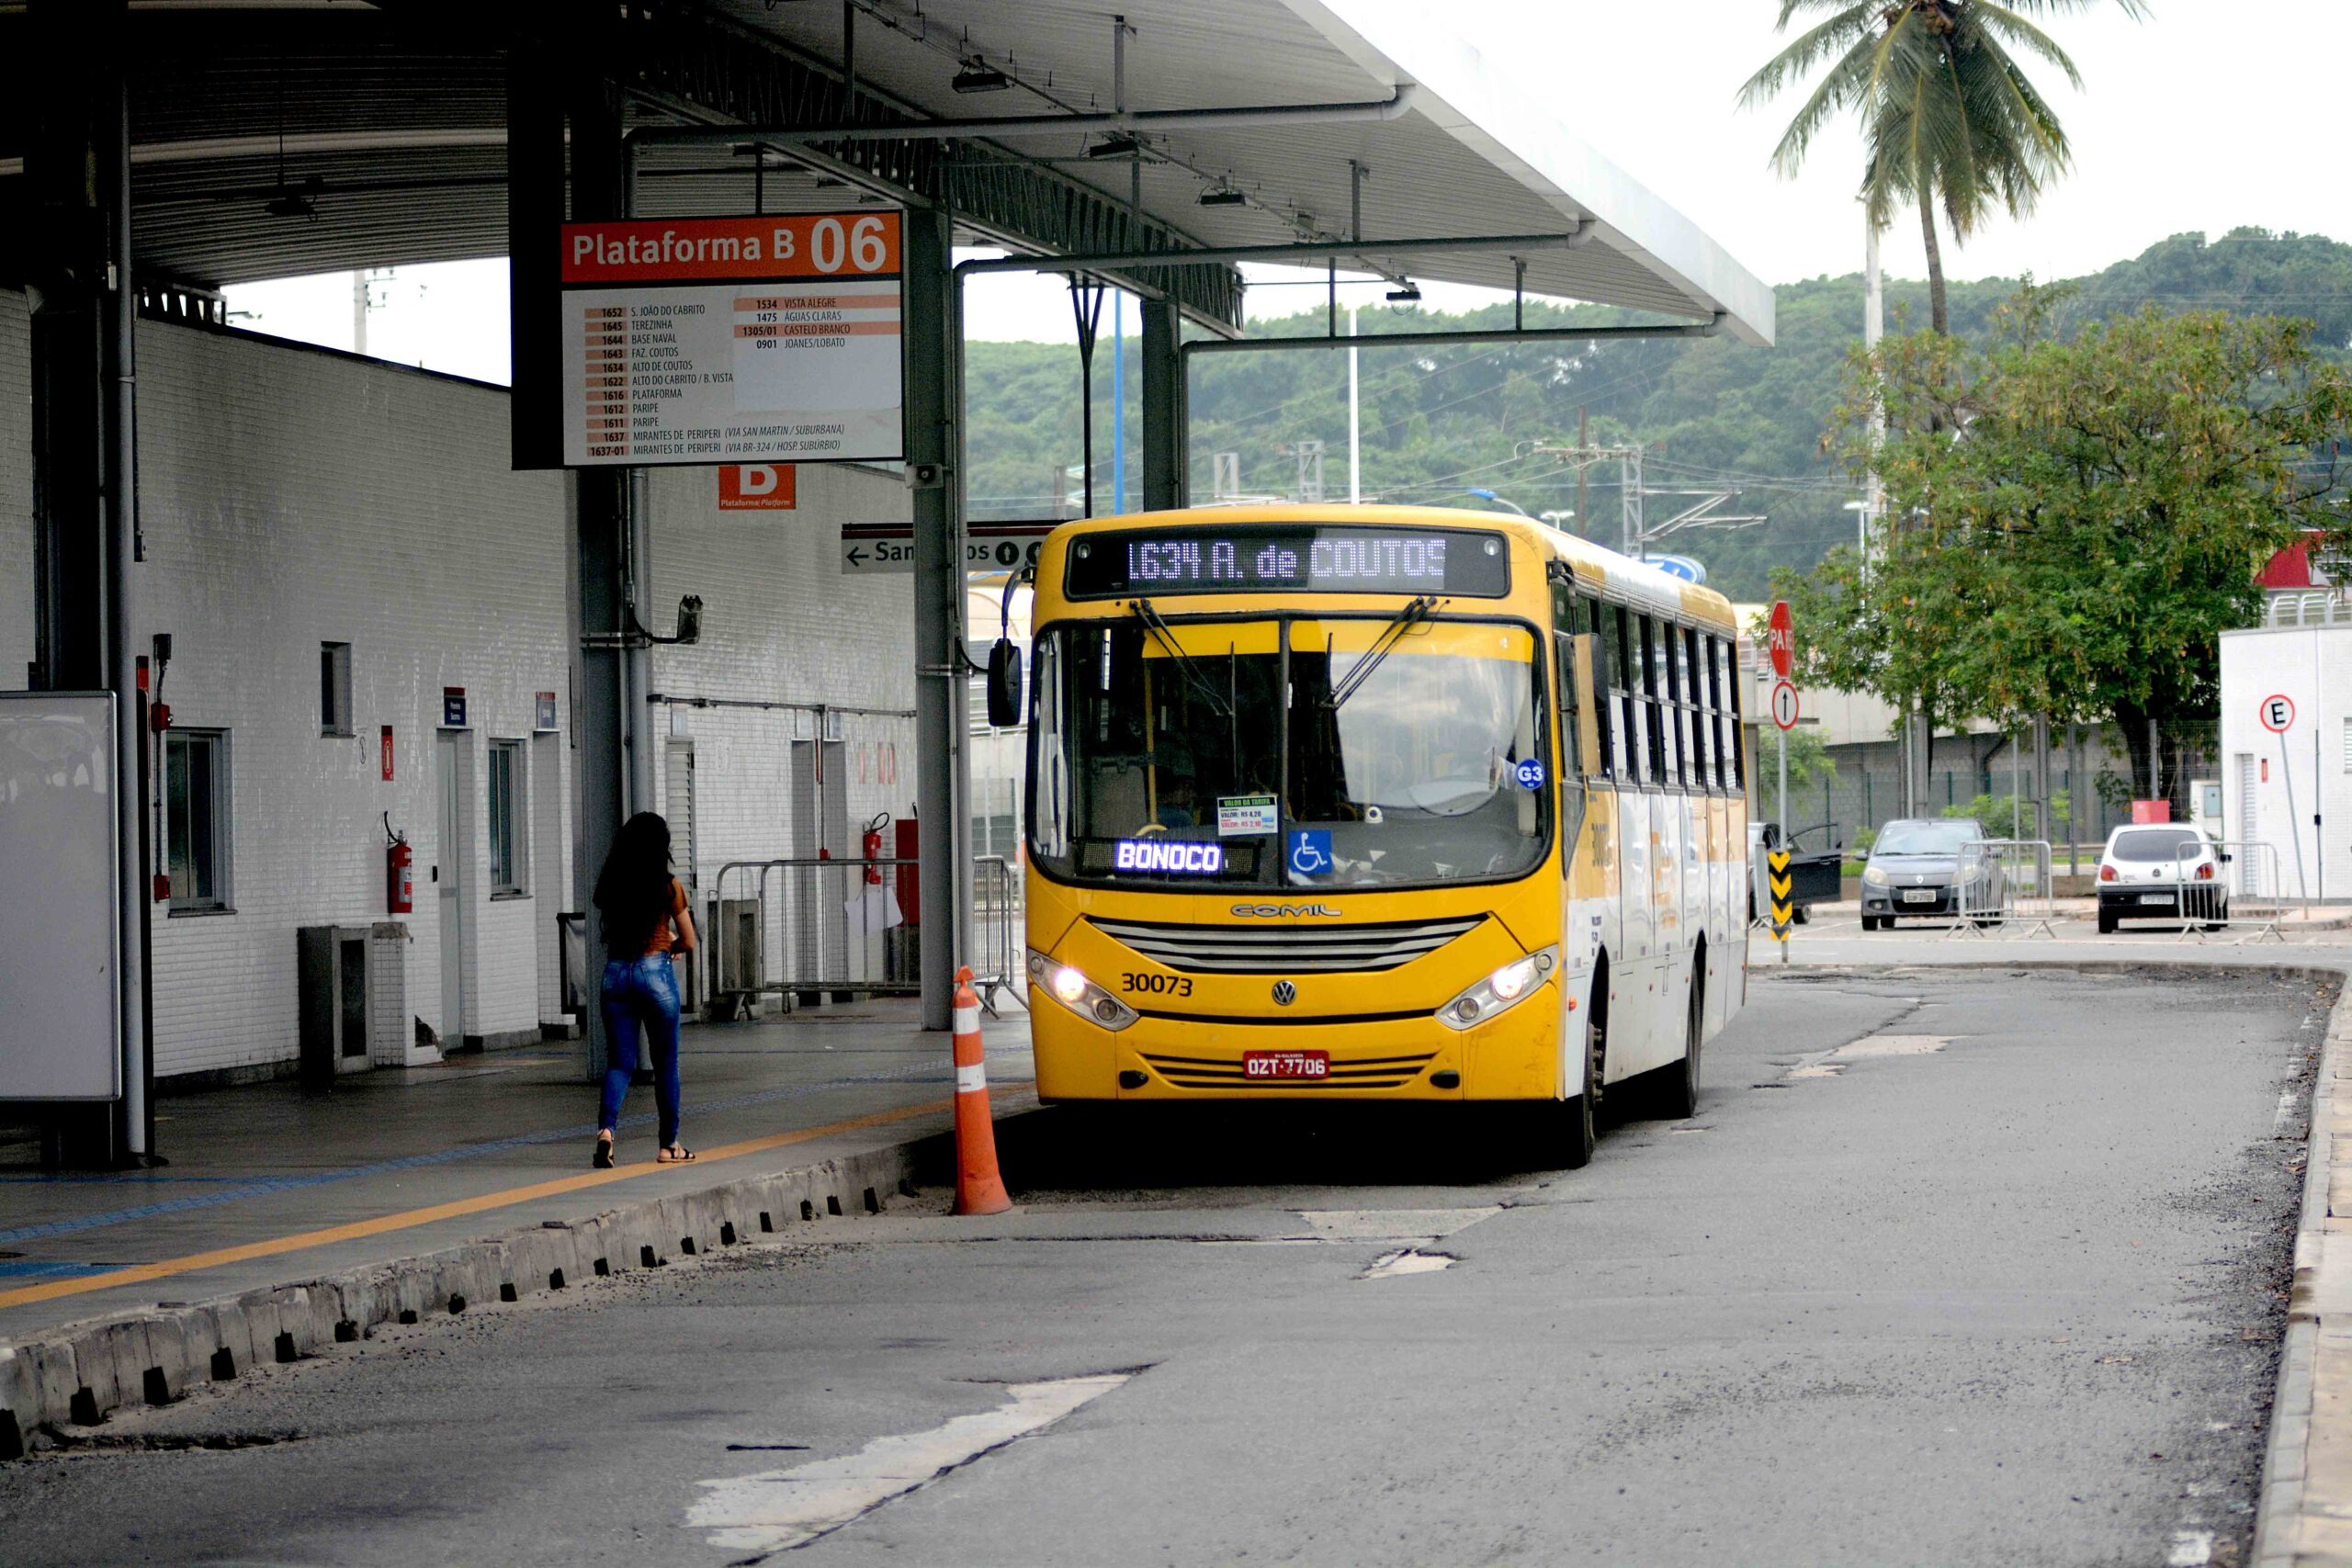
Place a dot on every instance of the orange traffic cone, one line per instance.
(978, 1189)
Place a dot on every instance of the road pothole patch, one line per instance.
(777, 1510)
(1833, 1063)
(1408, 1260)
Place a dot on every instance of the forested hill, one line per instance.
(1711, 412)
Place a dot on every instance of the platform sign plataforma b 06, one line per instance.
(732, 340)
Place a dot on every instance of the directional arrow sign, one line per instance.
(869, 547)
(1777, 861)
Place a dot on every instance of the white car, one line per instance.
(2170, 873)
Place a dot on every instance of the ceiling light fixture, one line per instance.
(1222, 196)
(1411, 294)
(1118, 144)
(979, 77)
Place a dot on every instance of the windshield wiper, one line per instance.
(1157, 627)
(1415, 613)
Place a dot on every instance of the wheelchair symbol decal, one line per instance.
(1310, 852)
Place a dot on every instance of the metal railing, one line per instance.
(2006, 883)
(804, 929)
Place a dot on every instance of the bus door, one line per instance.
(1581, 854)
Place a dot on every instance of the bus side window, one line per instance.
(1651, 690)
(1632, 754)
(1718, 701)
(1694, 705)
(1596, 674)
(1669, 694)
(1739, 729)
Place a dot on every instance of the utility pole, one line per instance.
(1584, 441)
(1355, 463)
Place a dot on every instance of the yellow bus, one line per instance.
(1374, 803)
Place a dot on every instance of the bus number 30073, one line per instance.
(1162, 984)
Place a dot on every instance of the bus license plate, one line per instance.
(1286, 1063)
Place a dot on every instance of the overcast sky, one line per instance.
(2210, 115)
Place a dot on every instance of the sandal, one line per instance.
(603, 1160)
(676, 1154)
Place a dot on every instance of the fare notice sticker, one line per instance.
(734, 339)
(1245, 813)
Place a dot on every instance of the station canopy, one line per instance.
(322, 135)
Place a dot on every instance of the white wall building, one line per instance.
(332, 544)
(2310, 666)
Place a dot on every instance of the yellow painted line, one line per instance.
(385, 1223)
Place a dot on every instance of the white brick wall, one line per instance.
(781, 623)
(292, 497)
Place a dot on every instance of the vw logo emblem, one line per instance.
(1284, 992)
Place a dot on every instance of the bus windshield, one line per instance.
(1297, 752)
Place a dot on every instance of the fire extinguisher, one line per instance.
(398, 870)
(872, 842)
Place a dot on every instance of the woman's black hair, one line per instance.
(633, 890)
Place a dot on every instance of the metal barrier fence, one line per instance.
(2247, 886)
(2002, 882)
(805, 928)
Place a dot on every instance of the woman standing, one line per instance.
(645, 917)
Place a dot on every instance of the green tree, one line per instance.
(1949, 116)
(2078, 550)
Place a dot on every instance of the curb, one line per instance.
(2285, 1509)
(76, 1374)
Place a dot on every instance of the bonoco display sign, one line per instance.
(734, 339)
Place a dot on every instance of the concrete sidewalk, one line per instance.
(268, 1185)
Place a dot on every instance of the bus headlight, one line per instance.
(1070, 988)
(1498, 990)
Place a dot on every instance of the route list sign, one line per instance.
(732, 340)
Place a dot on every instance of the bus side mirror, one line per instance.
(1004, 684)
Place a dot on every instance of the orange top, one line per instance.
(666, 935)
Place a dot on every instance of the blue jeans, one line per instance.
(642, 990)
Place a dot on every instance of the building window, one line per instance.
(195, 813)
(507, 867)
(335, 688)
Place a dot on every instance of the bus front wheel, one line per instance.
(1578, 1118)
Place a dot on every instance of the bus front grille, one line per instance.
(1379, 1072)
(1285, 950)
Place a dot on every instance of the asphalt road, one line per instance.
(1981, 1267)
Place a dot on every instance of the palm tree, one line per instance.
(1950, 117)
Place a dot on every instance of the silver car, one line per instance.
(1915, 869)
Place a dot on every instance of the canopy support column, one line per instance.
(78, 269)
(933, 333)
(1166, 417)
(600, 503)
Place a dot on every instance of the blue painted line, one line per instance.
(87, 1179)
(264, 1187)
(39, 1268)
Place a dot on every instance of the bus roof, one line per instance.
(1619, 578)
